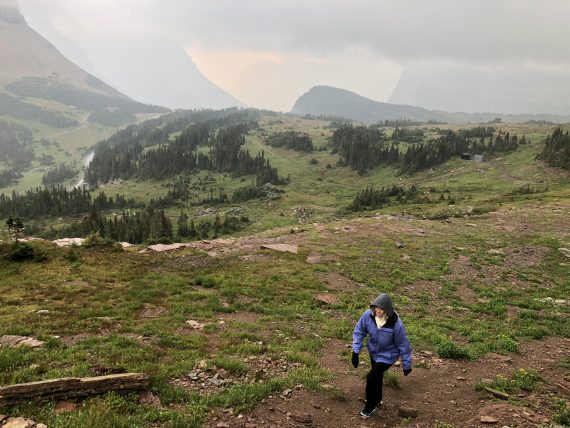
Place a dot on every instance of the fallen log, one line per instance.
(498, 394)
(72, 387)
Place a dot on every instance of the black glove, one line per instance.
(407, 371)
(355, 359)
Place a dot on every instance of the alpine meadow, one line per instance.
(203, 263)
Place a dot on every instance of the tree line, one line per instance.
(59, 174)
(213, 145)
(16, 151)
(56, 201)
(292, 140)
(364, 148)
(146, 226)
(556, 151)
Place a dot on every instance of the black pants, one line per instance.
(374, 381)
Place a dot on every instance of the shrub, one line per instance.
(392, 379)
(526, 379)
(20, 251)
(449, 349)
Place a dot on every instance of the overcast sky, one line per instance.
(267, 53)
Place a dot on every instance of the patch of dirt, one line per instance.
(443, 392)
(420, 288)
(149, 312)
(526, 256)
(467, 296)
(210, 379)
(245, 317)
(336, 281)
(315, 257)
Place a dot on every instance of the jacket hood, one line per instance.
(384, 302)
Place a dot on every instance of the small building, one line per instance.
(479, 158)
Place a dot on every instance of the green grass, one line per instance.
(97, 296)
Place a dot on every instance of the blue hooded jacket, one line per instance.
(385, 344)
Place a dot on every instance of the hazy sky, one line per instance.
(267, 53)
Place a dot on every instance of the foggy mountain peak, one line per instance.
(10, 12)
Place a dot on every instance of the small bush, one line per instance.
(562, 414)
(20, 252)
(392, 379)
(449, 349)
(526, 379)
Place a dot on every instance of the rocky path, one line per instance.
(442, 392)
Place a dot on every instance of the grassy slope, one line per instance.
(97, 296)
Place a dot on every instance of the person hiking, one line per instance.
(387, 341)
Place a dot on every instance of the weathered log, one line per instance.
(498, 394)
(72, 387)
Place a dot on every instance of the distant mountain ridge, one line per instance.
(34, 71)
(336, 102)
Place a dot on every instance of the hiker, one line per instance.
(387, 341)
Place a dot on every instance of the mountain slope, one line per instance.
(330, 101)
(33, 71)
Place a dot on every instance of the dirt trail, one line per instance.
(442, 392)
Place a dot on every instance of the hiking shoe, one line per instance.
(366, 414)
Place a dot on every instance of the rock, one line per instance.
(327, 299)
(147, 397)
(286, 392)
(565, 252)
(281, 247)
(16, 341)
(399, 245)
(3, 418)
(65, 242)
(43, 312)
(302, 417)
(64, 407)
(196, 325)
(406, 258)
(488, 420)
(167, 247)
(495, 251)
(19, 423)
(222, 425)
(408, 412)
(250, 425)
(41, 426)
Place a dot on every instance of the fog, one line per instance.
(266, 53)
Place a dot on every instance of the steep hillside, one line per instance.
(335, 102)
(37, 83)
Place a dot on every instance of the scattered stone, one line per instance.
(286, 392)
(19, 423)
(167, 247)
(408, 412)
(565, 252)
(64, 407)
(302, 417)
(66, 242)
(461, 378)
(222, 425)
(147, 397)
(43, 312)
(495, 251)
(17, 341)
(488, 420)
(399, 245)
(327, 299)
(281, 247)
(196, 325)
(406, 258)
